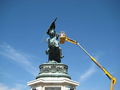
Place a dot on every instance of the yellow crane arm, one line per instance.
(64, 38)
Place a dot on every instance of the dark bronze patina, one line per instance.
(54, 51)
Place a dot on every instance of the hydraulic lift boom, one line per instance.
(64, 38)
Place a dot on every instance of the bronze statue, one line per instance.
(54, 51)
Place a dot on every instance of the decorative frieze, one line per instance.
(53, 69)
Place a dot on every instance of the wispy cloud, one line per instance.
(92, 69)
(16, 87)
(21, 58)
(88, 73)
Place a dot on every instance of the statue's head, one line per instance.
(51, 33)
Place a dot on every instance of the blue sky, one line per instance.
(93, 23)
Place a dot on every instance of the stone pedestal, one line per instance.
(53, 76)
(53, 83)
(53, 69)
